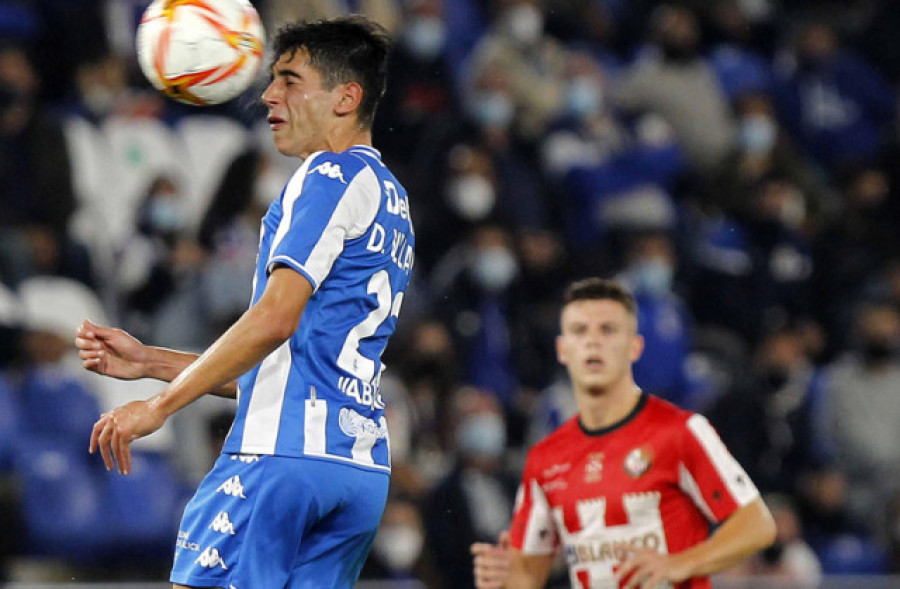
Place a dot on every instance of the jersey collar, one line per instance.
(368, 149)
(624, 421)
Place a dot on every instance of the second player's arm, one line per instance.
(747, 531)
(528, 571)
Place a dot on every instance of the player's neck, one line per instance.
(601, 409)
(342, 138)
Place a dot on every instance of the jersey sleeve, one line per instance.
(533, 530)
(709, 474)
(333, 199)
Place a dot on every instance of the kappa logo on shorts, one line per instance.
(210, 559)
(329, 169)
(357, 426)
(232, 487)
(222, 524)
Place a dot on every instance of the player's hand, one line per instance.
(110, 352)
(492, 563)
(116, 429)
(645, 569)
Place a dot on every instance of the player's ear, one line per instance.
(349, 97)
(637, 347)
(561, 355)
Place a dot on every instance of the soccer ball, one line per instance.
(200, 51)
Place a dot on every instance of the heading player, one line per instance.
(628, 488)
(296, 497)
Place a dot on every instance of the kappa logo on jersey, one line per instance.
(210, 559)
(330, 170)
(222, 524)
(232, 487)
(246, 458)
(593, 468)
(638, 462)
(357, 426)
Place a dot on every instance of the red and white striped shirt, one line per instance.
(657, 480)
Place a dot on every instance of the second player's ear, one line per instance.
(349, 98)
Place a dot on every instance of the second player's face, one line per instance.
(300, 109)
(598, 344)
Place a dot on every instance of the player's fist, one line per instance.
(110, 352)
(491, 563)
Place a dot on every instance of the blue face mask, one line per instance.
(757, 133)
(493, 109)
(653, 277)
(584, 97)
(482, 435)
(165, 215)
(425, 37)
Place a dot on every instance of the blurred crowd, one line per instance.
(732, 161)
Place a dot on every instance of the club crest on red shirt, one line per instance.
(638, 461)
(593, 467)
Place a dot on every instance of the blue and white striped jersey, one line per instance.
(343, 222)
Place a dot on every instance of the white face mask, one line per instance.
(494, 268)
(482, 435)
(524, 24)
(399, 546)
(758, 133)
(493, 109)
(166, 214)
(471, 196)
(584, 97)
(425, 37)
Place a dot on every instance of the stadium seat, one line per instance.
(59, 406)
(9, 425)
(212, 142)
(143, 149)
(159, 495)
(62, 501)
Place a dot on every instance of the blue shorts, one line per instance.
(275, 521)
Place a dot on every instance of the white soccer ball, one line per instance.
(200, 51)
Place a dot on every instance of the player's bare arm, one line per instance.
(116, 353)
(748, 530)
(259, 331)
(499, 566)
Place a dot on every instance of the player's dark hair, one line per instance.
(593, 289)
(342, 50)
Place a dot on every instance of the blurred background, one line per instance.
(733, 161)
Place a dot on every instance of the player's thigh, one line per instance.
(334, 550)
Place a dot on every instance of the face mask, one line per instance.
(653, 277)
(878, 350)
(493, 109)
(676, 53)
(472, 196)
(399, 546)
(425, 37)
(757, 133)
(776, 378)
(267, 187)
(584, 97)
(495, 268)
(99, 100)
(524, 24)
(482, 435)
(165, 214)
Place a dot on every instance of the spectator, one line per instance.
(37, 198)
(861, 411)
(832, 101)
(472, 503)
(663, 318)
(533, 62)
(676, 82)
